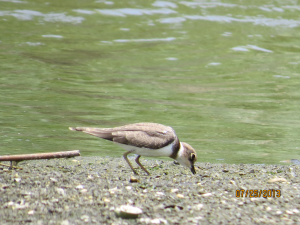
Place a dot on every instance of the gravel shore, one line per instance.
(88, 190)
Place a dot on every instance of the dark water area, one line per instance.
(224, 75)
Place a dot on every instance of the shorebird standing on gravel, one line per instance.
(146, 139)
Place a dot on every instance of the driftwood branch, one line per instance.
(48, 155)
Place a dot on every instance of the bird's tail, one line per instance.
(98, 132)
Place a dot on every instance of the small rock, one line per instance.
(113, 190)
(277, 179)
(7, 204)
(233, 182)
(207, 194)
(295, 211)
(195, 220)
(65, 222)
(80, 186)
(106, 199)
(202, 191)
(128, 212)
(85, 218)
(21, 206)
(31, 212)
(159, 193)
(18, 179)
(174, 190)
(159, 221)
(133, 180)
(153, 221)
(54, 200)
(180, 196)
(198, 207)
(83, 190)
(25, 193)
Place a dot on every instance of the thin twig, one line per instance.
(47, 155)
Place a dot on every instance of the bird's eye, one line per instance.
(193, 156)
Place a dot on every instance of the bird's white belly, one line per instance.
(165, 151)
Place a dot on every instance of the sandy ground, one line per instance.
(88, 190)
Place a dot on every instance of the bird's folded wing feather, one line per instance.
(145, 139)
(147, 135)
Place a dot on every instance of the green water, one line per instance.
(224, 75)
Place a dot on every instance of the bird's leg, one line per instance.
(125, 157)
(137, 160)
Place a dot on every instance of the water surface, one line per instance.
(224, 75)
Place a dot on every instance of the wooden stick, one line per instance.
(47, 155)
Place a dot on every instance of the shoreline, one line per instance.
(89, 190)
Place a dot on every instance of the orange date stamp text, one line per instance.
(255, 193)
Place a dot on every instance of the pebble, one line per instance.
(153, 221)
(85, 218)
(159, 193)
(207, 194)
(18, 179)
(277, 179)
(180, 196)
(31, 212)
(198, 207)
(128, 212)
(174, 190)
(133, 180)
(79, 186)
(65, 222)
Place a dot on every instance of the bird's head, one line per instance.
(187, 156)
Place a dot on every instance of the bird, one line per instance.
(146, 139)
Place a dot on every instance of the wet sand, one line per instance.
(88, 190)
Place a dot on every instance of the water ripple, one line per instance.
(136, 12)
(48, 17)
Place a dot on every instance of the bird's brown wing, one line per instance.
(147, 135)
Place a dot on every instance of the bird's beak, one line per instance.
(193, 169)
